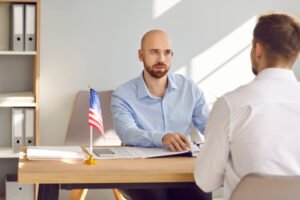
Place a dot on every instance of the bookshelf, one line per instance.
(19, 86)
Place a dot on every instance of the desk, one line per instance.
(125, 173)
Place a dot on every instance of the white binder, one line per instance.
(29, 126)
(17, 129)
(30, 27)
(17, 27)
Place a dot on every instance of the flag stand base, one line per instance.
(90, 161)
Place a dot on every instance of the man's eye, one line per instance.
(168, 52)
(154, 51)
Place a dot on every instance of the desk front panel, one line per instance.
(157, 170)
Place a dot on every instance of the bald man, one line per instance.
(158, 109)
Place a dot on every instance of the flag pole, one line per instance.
(90, 160)
(91, 140)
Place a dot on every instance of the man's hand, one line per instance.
(176, 142)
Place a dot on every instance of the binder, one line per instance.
(17, 191)
(17, 27)
(17, 129)
(30, 27)
(29, 127)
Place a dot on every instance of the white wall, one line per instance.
(95, 42)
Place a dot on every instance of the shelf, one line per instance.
(19, 71)
(6, 152)
(18, 1)
(18, 53)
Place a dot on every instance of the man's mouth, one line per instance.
(160, 65)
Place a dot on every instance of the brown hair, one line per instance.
(280, 36)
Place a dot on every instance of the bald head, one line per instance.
(156, 54)
(155, 39)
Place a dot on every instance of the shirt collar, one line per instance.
(276, 73)
(143, 90)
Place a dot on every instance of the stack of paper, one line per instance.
(17, 98)
(138, 152)
(55, 152)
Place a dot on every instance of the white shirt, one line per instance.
(255, 128)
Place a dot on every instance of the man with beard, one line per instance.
(255, 129)
(157, 109)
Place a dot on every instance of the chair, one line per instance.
(78, 130)
(267, 187)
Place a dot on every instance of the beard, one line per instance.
(157, 70)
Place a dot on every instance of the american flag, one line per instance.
(95, 115)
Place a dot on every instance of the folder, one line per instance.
(17, 129)
(17, 191)
(30, 27)
(29, 126)
(17, 27)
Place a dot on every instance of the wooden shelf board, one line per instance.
(18, 53)
(6, 152)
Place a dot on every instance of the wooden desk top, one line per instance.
(158, 170)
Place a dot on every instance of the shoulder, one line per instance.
(186, 86)
(243, 95)
(127, 88)
(181, 80)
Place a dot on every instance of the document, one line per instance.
(115, 152)
(55, 152)
(17, 97)
(138, 152)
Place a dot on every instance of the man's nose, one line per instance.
(161, 56)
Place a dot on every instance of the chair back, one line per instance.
(78, 131)
(267, 187)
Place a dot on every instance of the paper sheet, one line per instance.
(55, 152)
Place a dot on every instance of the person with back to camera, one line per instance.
(255, 128)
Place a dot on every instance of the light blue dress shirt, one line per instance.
(142, 119)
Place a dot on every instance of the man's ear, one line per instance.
(259, 50)
(141, 55)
